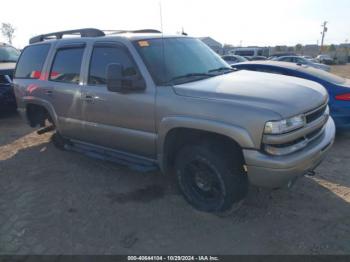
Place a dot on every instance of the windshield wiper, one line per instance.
(192, 75)
(229, 69)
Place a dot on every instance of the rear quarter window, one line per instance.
(31, 61)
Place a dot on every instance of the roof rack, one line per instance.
(139, 31)
(84, 32)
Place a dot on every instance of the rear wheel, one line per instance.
(210, 180)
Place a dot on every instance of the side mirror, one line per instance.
(117, 82)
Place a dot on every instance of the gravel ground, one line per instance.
(58, 202)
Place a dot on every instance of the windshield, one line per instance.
(185, 60)
(8, 54)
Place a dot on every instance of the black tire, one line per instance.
(211, 180)
(59, 141)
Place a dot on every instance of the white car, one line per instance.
(325, 59)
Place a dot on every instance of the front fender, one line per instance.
(236, 133)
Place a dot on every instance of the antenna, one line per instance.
(161, 16)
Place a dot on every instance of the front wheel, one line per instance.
(210, 181)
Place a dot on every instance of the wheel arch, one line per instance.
(189, 129)
(39, 103)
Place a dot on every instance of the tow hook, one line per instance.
(45, 130)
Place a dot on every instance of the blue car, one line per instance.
(338, 88)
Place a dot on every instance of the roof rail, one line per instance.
(113, 32)
(84, 32)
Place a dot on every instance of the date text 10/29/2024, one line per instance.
(173, 258)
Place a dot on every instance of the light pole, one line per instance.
(325, 29)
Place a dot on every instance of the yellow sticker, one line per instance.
(143, 43)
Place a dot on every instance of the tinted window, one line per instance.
(32, 61)
(301, 60)
(102, 57)
(66, 66)
(286, 59)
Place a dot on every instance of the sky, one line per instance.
(236, 22)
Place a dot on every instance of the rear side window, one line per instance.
(66, 65)
(31, 62)
(105, 55)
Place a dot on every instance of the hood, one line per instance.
(286, 96)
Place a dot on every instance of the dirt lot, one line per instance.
(56, 202)
(342, 70)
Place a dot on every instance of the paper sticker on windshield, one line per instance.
(143, 43)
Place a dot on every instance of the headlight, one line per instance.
(285, 126)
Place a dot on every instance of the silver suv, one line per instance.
(151, 101)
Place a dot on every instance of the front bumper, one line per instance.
(276, 171)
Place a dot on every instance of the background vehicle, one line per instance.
(310, 58)
(280, 54)
(338, 88)
(325, 59)
(302, 61)
(249, 52)
(152, 101)
(8, 58)
(258, 58)
(234, 59)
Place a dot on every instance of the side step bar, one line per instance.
(131, 161)
(45, 130)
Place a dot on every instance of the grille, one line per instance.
(314, 133)
(309, 136)
(315, 114)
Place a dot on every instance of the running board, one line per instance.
(131, 161)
